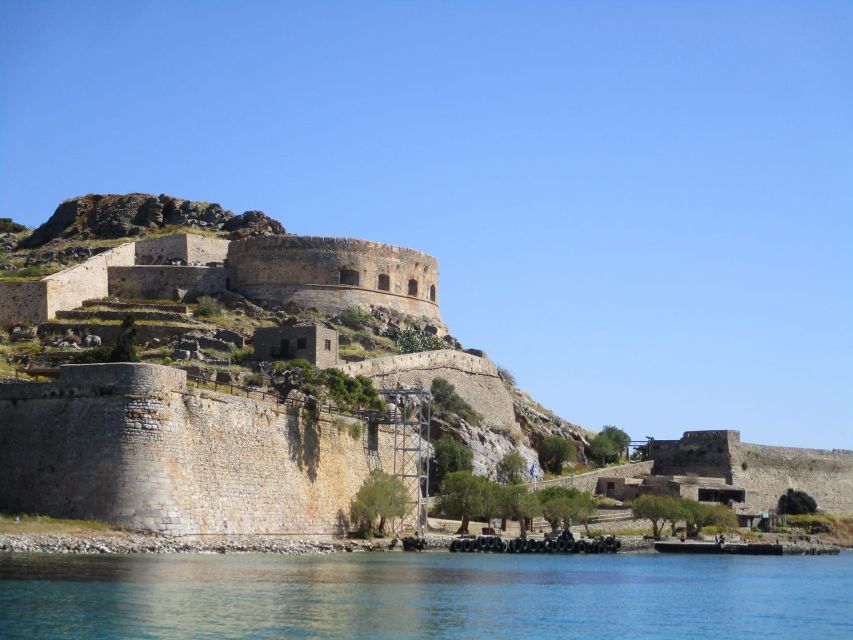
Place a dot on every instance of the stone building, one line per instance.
(315, 343)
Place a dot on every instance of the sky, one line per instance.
(642, 210)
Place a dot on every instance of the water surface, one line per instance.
(382, 596)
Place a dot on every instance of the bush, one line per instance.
(446, 403)
(411, 341)
(8, 226)
(511, 468)
(381, 497)
(555, 451)
(797, 502)
(356, 317)
(207, 307)
(124, 349)
(506, 376)
(450, 456)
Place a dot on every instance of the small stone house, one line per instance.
(315, 343)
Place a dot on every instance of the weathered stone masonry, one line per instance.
(132, 444)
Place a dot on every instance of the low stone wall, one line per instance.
(588, 481)
(476, 379)
(132, 444)
(162, 282)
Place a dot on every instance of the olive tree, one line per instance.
(461, 496)
(658, 509)
(697, 515)
(382, 497)
(555, 451)
(517, 502)
(511, 467)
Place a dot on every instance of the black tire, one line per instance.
(617, 545)
(453, 546)
(581, 547)
(466, 545)
(561, 545)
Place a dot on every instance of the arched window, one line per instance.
(413, 287)
(384, 282)
(432, 292)
(349, 277)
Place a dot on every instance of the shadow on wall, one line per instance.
(303, 442)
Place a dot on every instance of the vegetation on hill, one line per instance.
(446, 403)
(7, 225)
(555, 451)
(609, 445)
(796, 503)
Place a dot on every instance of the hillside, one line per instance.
(210, 336)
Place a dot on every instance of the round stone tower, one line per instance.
(331, 274)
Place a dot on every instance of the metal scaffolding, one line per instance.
(409, 415)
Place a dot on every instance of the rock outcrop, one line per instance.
(134, 214)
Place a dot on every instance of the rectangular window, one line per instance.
(300, 343)
(328, 345)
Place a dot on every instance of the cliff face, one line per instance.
(134, 214)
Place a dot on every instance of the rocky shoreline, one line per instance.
(144, 544)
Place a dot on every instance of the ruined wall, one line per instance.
(204, 250)
(476, 379)
(320, 344)
(162, 282)
(23, 302)
(331, 274)
(131, 444)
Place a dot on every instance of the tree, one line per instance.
(564, 506)
(608, 445)
(446, 403)
(381, 496)
(697, 515)
(518, 502)
(797, 502)
(658, 509)
(511, 467)
(603, 450)
(450, 455)
(492, 499)
(461, 496)
(555, 451)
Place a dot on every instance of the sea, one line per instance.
(429, 595)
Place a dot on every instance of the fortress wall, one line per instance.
(476, 379)
(160, 250)
(189, 247)
(160, 282)
(771, 471)
(131, 444)
(86, 281)
(275, 269)
(204, 250)
(704, 453)
(23, 302)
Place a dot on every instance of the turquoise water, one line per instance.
(381, 596)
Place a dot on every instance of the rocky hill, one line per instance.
(103, 217)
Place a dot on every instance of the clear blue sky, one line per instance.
(644, 210)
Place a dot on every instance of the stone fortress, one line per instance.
(327, 274)
(137, 445)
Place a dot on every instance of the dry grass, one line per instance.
(46, 525)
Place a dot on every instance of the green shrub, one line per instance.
(450, 456)
(506, 376)
(812, 523)
(381, 497)
(446, 403)
(797, 502)
(356, 317)
(8, 226)
(241, 354)
(411, 341)
(511, 468)
(696, 516)
(207, 307)
(555, 451)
